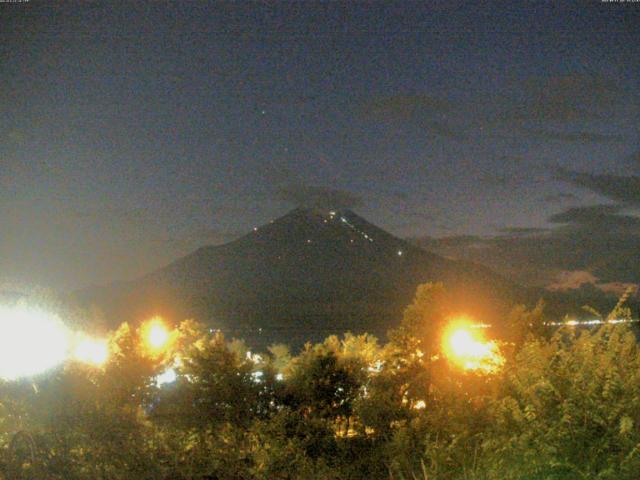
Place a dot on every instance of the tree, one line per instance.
(570, 408)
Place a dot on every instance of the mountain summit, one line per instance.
(301, 277)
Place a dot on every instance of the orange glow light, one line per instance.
(156, 335)
(91, 351)
(466, 347)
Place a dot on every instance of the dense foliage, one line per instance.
(564, 405)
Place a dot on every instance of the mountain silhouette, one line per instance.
(308, 274)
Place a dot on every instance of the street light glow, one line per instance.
(91, 351)
(156, 335)
(466, 348)
(32, 341)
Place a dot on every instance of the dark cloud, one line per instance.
(512, 171)
(401, 196)
(568, 109)
(406, 106)
(595, 241)
(576, 137)
(443, 129)
(318, 197)
(114, 215)
(587, 215)
(449, 242)
(520, 231)
(429, 114)
(16, 136)
(559, 197)
(503, 180)
(573, 280)
(512, 181)
(564, 99)
(624, 189)
(198, 237)
(422, 215)
(279, 174)
(589, 223)
(598, 220)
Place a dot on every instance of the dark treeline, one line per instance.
(563, 405)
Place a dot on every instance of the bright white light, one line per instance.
(254, 357)
(91, 351)
(465, 346)
(279, 377)
(376, 367)
(399, 253)
(31, 341)
(420, 405)
(156, 335)
(168, 376)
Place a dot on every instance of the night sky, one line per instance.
(134, 132)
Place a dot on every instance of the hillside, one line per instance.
(301, 277)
